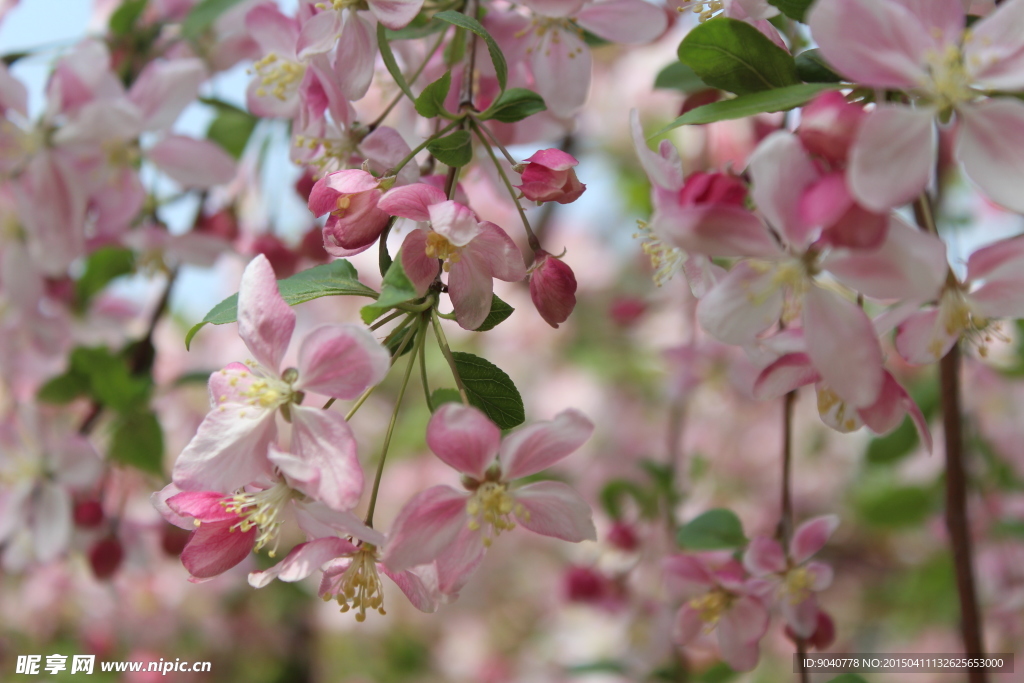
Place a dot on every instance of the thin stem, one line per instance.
(466, 90)
(422, 350)
(451, 182)
(412, 79)
(443, 343)
(384, 321)
(391, 426)
(785, 529)
(420, 147)
(534, 242)
(497, 143)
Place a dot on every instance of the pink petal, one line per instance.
(561, 67)
(303, 560)
(395, 14)
(811, 536)
(924, 339)
(802, 616)
(842, 344)
(536, 447)
(165, 88)
(422, 593)
(272, 29)
(739, 631)
(192, 163)
(13, 93)
(554, 159)
(664, 169)
(990, 145)
(687, 626)
(741, 306)
(875, 42)
(892, 406)
(425, 527)
(471, 289)
(1000, 297)
(552, 288)
(454, 221)
(354, 59)
(460, 560)
(318, 33)
(265, 321)
(229, 451)
(764, 556)
(715, 230)
(835, 411)
(821, 575)
(464, 438)
(9, 505)
(825, 201)
(555, 509)
(319, 521)
(325, 441)
(1007, 253)
(554, 8)
(385, 148)
(623, 21)
(994, 50)
(411, 201)
(214, 548)
(909, 264)
(893, 156)
(323, 198)
(341, 361)
(494, 247)
(51, 521)
(205, 506)
(787, 374)
(778, 195)
(689, 569)
(420, 268)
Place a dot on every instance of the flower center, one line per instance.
(950, 84)
(338, 4)
(705, 9)
(666, 260)
(261, 510)
(797, 585)
(360, 587)
(710, 606)
(490, 509)
(957, 318)
(842, 417)
(540, 27)
(277, 76)
(439, 247)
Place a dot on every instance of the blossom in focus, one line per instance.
(549, 177)
(455, 527)
(350, 199)
(552, 288)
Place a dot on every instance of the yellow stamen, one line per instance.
(439, 247)
(262, 510)
(490, 509)
(361, 587)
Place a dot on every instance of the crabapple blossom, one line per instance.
(455, 528)
(549, 177)
(354, 221)
(552, 288)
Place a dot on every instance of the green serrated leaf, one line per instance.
(430, 103)
(337, 278)
(616, 491)
(678, 76)
(122, 21)
(110, 379)
(714, 530)
(64, 389)
(500, 311)
(441, 396)
(780, 99)
(732, 55)
(491, 390)
(102, 266)
(389, 61)
(811, 67)
(137, 440)
(471, 24)
(202, 16)
(515, 104)
(396, 288)
(893, 506)
(453, 150)
(794, 9)
(231, 129)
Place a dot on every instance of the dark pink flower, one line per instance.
(549, 177)
(552, 288)
(350, 198)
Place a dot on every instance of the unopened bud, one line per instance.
(552, 288)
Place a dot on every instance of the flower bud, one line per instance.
(350, 199)
(88, 514)
(623, 537)
(828, 125)
(552, 288)
(824, 634)
(105, 557)
(549, 177)
(712, 188)
(583, 584)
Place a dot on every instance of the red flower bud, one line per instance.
(549, 177)
(88, 514)
(552, 288)
(828, 125)
(106, 556)
(622, 536)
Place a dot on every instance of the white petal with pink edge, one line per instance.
(893, 156)
(990, 145)
(325, 441)
(555, 509)
(538, 446)
(425, 527)
(464, 438)
(341, 361)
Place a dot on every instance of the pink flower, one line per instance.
(791, 578)
(725, 602)
(552, 288)
(923, 49)
(993, 288)
(549, 177)
(454, 528)
(230, 449)
(473, 252)
(355, 222)
(829, 125)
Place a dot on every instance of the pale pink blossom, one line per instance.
(455, 527)
(354, 221)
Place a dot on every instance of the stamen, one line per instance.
(439, 247)
(711, 606)
(490, 509)
(666, 260)
(262, 510)
(360, 586)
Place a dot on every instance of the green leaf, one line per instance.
(491, 390)
(138, 441)
(894, 446)
(430, 103)
(395, 343)
(231, 129)
(452, 150)
(718, 673)
(471, 24)
(603, 666)
(811, 67)
(102, 266)
(713, 530)
(742, 106)
(203, 15)
(847, 678)
(618, 490)
(122, 21)
(337, 278)
(110, 379)
(65, 388)
(389, 61)
(794, 9)
(732, 55)
(441, 396)
(678, 76)
(515, 104)
(893, 506)
(420, 27)
(395, 288)
(455, 50)
(499, 312)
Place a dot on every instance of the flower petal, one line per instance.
(924, 339)
(778, 195)
(192, 163)
(893, 156)
(561, 68)
(764, 556)
(419, 585)
(664, 169)
(743, 304)
(555, 509)
(425, 528)
(538, 446)
(303, 560)
(341, 361)
(623, 21)
(354, 59)
(411, 201)
(214, 548)
(990, 145)
(325, 441)
(229, 451)
(788, 373)
(420, 268)
(464, 438)
(739, 631)
(395, 14)
(811, 536)
(265, 321)
(994, 51)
